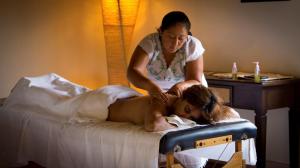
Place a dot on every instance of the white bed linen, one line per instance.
(54, 95)
(50, 143)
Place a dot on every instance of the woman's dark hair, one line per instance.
(203, 98)
(174, 17)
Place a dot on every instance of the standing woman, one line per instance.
(169, 60)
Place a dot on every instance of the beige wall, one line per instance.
(42, 36)
(230, 31)
(66, 37)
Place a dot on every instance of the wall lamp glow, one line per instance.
(119, 17)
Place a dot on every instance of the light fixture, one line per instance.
(119, 17)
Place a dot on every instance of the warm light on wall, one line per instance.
(119, 17)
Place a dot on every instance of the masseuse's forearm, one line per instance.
(194, 72)
(138, 79)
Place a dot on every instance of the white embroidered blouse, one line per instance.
(158, 72)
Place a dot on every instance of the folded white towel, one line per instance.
(180, 122)
(53, 95)
(49, 94)
(94, 104)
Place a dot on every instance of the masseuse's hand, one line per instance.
(177, 89)
(158, 94)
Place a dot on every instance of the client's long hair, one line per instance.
(210, 105)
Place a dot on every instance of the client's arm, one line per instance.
(155, 120)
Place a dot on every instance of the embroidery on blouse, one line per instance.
(157, 66)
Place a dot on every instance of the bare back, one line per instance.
(134, 109)
(129, 110)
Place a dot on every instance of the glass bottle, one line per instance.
(234, 71)
(256, 72)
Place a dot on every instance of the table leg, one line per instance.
(261, 123)
(294, 137)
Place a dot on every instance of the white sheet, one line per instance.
(93, 105)
(54, 95)
(49, 94)
(38, 99)
(43, 139)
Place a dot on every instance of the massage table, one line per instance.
(32, 134)
(39, 136)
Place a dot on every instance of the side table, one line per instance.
(261, 97)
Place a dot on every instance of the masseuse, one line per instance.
(169, 60)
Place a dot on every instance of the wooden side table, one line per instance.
(260, 97)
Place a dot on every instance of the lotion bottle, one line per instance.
(234, 71)
(256, 72)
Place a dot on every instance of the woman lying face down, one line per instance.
(197, 103)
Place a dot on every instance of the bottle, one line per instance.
(234, 71)
(256, 72)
